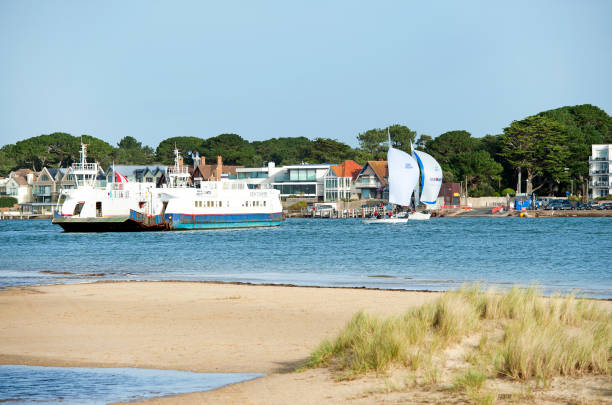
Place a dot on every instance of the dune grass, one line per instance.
(540, 337)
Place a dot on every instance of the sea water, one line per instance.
(77, 385)
(560, 254)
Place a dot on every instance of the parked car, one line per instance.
(587, 206)
(605, 206)
(559, 205)
(543, 201)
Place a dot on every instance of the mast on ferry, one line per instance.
(178, 175)
(84, 173)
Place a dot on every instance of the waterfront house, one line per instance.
(339, 181)
(372, 180)
(46, 189)
(600, 171)
(257, 177)
(303, 180)
(152, 175)
(203, 172)
(18, 185)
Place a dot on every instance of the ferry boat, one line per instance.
(126, 206)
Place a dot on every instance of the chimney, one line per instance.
(180, 162)
(219, 167)
(203, 159)
(196, 160)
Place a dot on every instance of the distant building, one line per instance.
(303, 180)
(47, 187)
(600, 168)
(340, 181)
(203, 172)
(18, 185)
(372, 180)
(151, 175)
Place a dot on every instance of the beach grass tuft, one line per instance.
(538, 338)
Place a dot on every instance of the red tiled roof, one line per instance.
(348, 168)
(381, 169)
(208, 172)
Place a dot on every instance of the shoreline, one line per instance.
(292, 285)
(201, 327)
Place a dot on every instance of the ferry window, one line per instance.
(264, 203)
(219, 205)
(78, 208)
(195, 203)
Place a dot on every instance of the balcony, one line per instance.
(598, 159)
(41, 193)
(600, 184)
(599, 171)
(367, 182)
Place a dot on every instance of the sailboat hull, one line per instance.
(419, 216)
(385, 221)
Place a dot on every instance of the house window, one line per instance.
(149, 179)
(302, 175)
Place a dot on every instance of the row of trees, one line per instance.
(548, 150)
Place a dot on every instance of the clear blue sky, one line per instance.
(155, 69)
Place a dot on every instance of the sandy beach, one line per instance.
(205, 327)
(201, 327)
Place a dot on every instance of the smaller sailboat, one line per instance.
(430, 183)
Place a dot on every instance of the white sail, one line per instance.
(431, 177)
(403, 176)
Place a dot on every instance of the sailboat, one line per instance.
(403, 178)
(418, 173)
(430, 183)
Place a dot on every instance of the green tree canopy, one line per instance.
(375, 141)
(537, 145)
(233, 149)
(130, 151)
(323, 150)
(185, 144)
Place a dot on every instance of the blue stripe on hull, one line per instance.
(226, 225)
(186, 221)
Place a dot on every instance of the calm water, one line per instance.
(74, 385)
(559, 253)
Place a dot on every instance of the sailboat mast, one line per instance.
(389, 140)
(417, 189)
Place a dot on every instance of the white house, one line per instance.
(19, 185)
(600, 168)
(304, 180)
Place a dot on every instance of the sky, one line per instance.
(268, 69)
